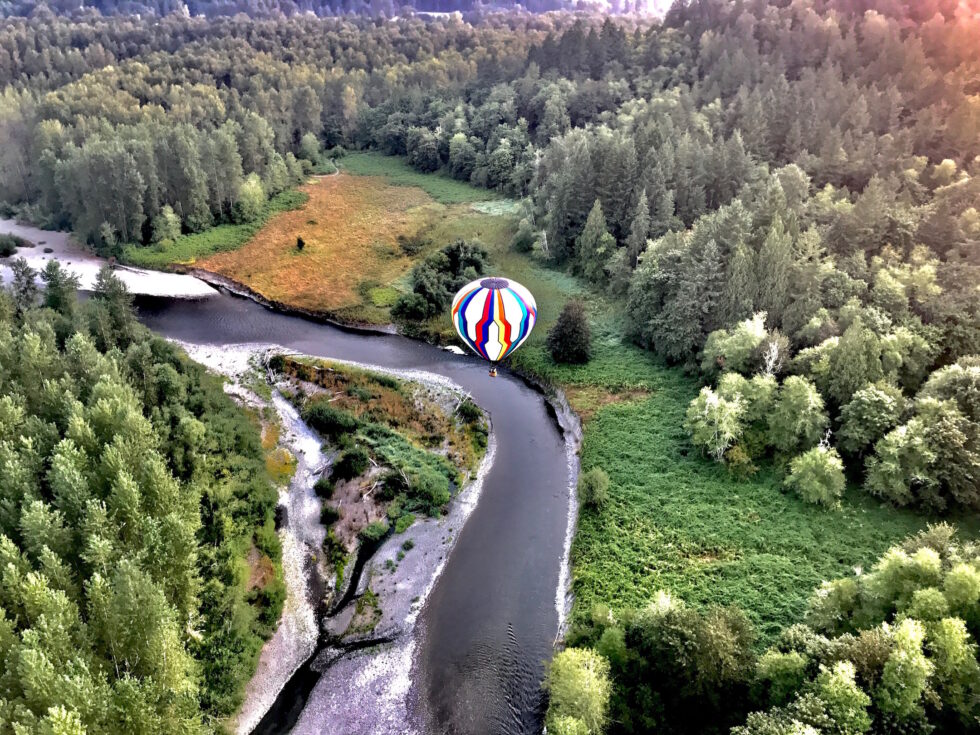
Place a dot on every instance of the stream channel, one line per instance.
(493, 616)
(496, 610)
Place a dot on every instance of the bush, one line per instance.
(736, 350)
(781, 674)
(324, 487)
(411, 307)
(412, 244)
(871, 413)
(524, 238)
(798, 419)
(328, 515)
(578, 688)
(351, 464)
(374, 531)
(469, 411)
(10, 243)
(327, 420)
(818, 476)
(569, 340)
(430, 488)
(437, 279)
(593, 488)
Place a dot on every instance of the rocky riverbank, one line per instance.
(50, 245)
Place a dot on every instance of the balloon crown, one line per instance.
(497, 283)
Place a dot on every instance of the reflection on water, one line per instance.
(490, 622)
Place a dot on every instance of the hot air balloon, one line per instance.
(494, 316)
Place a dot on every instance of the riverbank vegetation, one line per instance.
(139, 553)
(402, 449)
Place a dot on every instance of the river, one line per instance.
(491, 620)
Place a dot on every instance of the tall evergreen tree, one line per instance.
(639, 230)
(594, 246)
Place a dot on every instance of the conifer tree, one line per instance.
(594, 246)
(639, 230)
(773, 269)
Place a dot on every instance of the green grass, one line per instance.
(394, 168)
(188, 248)
(675, 520)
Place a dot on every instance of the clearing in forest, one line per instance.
(361, 236)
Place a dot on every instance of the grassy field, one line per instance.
(353, 265)
(187, 249)
(397, 172)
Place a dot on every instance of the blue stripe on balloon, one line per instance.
(463, 330)
(525, 319)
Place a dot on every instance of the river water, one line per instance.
(491, 620)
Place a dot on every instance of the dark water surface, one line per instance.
(491, 620)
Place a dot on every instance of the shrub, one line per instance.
(251, 199)
(324, 487)
(798, 419)
(567, 725)
(871, 413)
(818, 476)
(578, 688)
(374, 531)
(411, 307)
(437, 279)
(327, 420)
(959, 382)
(430, 488)
(10, 243)
(404, 521)
(166, 225)
(524, 238)
(569, 340)
(844, 700)
(412, 244)
(906, 674)
(351, 464)
(469, 411)
(328, 515)
(736, 350)
(781, 674)
(593, 488)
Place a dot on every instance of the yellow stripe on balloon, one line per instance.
(498, 318)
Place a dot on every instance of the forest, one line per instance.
(133, 489)
(784, 196)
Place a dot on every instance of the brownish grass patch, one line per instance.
(261, 570)
(351, 266)
(349, 227)
(586, 400)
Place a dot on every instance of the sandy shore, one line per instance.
(86, 265)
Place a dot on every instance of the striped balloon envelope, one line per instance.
(494, 316)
